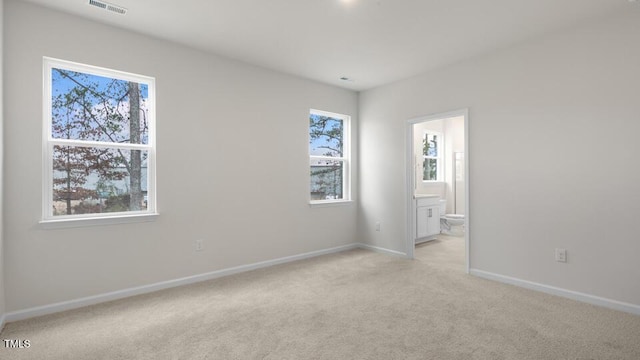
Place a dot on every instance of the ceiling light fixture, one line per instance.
(109, 7)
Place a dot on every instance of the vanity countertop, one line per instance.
(420, 196)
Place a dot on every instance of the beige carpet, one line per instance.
(353, 305)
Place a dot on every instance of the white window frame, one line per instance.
(439, 161)
(345, 158)
(48, 219)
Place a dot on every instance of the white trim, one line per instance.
(324, 203)
(381, 250)
(3, 321)
(99, 144)
(124, 218)
(467, 197)
(410, 188)
(48, 142)
(411, 178)
(97, 70)
(120, 294)
(345, 158)
(331, 158)
(329, 114)
(570, 294)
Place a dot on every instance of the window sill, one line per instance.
(324, 203)
(97, 221)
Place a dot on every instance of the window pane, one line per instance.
(95, 108)
(92, 180)
(430, 143)
(326, 179)
(326, 136)
(430, 167)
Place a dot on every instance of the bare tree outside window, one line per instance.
(328, 160)
(99, 136)
(431, 156)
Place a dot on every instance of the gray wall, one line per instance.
(554, 148)
(232, 165)
(2, 299)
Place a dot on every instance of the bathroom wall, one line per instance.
(454, 142)
(452, 130)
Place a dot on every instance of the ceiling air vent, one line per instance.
(110, 7)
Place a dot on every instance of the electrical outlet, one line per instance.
(199, 245)
(377, 225)
(561, 255)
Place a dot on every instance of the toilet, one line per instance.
(450, 223)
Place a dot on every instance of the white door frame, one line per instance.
(411, 178)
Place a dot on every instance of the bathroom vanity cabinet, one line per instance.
(427, 217)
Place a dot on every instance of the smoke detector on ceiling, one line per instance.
(109, 7)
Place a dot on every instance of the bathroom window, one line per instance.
(329, 157)
(99, 143)
(432, 156)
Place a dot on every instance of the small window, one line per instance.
(329, 155)
(99, 154)
(432, 156)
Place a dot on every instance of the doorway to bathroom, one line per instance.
(438, 180)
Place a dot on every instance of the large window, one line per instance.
(99, 155)
(329, 155)
(432, 156)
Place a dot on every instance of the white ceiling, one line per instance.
(372, 42)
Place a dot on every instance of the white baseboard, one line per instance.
(381, 250)
(91, 300)
(574, 295)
